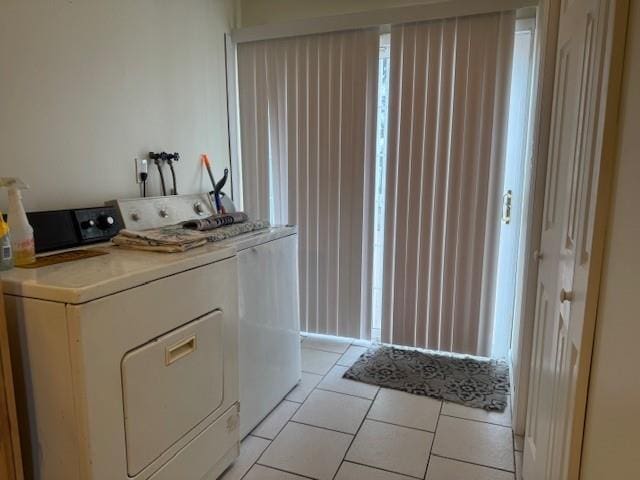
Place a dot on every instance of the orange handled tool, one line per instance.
(216, 197)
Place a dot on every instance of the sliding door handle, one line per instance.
(506, 207)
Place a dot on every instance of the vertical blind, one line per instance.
(307, 118)
(448, 109)
(254, 128)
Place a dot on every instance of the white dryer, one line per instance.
(126, 365)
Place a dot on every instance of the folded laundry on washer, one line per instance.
(176, 238)
(165, 239)
(216, 221)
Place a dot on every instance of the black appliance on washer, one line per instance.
(59, 229)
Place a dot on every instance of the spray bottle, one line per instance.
(21, 232)
(6, 256)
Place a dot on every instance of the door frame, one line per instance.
(525, 23)
(233, 119)
(10, 456)
(548, 18)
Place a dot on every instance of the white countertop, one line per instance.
(86, 279)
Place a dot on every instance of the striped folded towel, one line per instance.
(216, 221)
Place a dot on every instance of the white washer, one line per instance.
(269, 331)
(127, 365)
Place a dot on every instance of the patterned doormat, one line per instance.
(465, 380)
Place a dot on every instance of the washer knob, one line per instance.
(88, 224)
(105, 222)
(164, 213)
(135, 217)
(197, 207)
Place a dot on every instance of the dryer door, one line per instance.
(169, 386)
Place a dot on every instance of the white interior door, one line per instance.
(562, 337)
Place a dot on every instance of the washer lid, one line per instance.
(87, 279)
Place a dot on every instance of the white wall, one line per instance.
(612, 435)
(86, 86)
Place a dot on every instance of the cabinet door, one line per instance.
(10, 462)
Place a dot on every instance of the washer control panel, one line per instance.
(97, 224)
(155, 212)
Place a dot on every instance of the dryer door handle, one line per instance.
(180, 350)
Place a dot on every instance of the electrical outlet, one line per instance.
(142, 166)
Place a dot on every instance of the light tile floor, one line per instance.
(330, 428)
